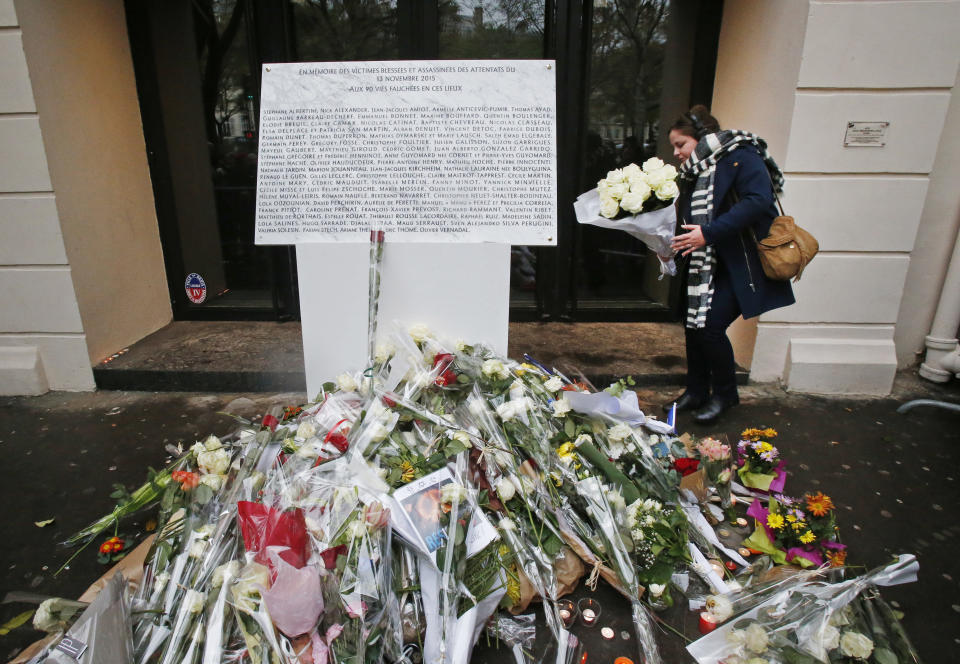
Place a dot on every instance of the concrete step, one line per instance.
(253, 356)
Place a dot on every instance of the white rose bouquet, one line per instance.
(639, 201)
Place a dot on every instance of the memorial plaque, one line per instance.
(866, 134)
(428, 151)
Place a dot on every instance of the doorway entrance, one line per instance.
(625, 69)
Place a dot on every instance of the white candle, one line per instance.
(564, 615)
(607, 633)
(589, 615)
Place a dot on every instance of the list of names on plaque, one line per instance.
(435, 162)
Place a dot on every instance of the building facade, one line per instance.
(120, 166)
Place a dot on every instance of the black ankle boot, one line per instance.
(713, 409)
(685, 401)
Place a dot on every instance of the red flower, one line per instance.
(338, 440)
(112, 545)
(446, 375)
(446, 378)
(330, 555)
(186, 479)
(390, 403)
(686, 466)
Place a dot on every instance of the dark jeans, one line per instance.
(710, 364)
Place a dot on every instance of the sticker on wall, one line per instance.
(196, 288)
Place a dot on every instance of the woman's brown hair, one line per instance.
(697, 122)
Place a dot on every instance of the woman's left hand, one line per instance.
(687, 242)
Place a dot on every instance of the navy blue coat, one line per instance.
(743, 170)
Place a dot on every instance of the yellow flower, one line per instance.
(791, 518)
(775, 521)
(769, 433)
(765, 446)
(798, 526)
(566, 449)
(807, 537)
(407, 471)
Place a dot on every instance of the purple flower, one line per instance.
(783, 499)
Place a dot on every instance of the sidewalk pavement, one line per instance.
(893, 476)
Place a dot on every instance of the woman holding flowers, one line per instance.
(726, 199)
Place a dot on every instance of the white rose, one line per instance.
(357, 529)
(212, 443)
(756, 638)
(225, 572)
(507, 524)
(346, 383)
(553, 383)
(631, 171)
(505, 489)
(829, 637)
(198, 449)
(669, 171)
(736, 637)
(618, 191)
(603, 188)
(383, 352)
(160, 582)
(460, 436)
(615, 500)
(378, 431)
(638, 185)
(213, 481)
(47, 617)
(656, 178)
(477, 406)
(619, 432)
(419, 332)
(453, 492)
(523, 484)
(216, 462)
(198, 549)
(609, 207)
(495, 369)
(633, 202)
(560, 407)
(668, 191)
(461, 346)
(652, 164)
(194, 601)
(719, 607)
(507, 411)
(307, 429)
(855, 644)
(615, 176)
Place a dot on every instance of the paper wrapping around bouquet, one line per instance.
(771, 482)
(655, 229)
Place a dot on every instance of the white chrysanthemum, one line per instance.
(756, 638)
(619, 432)
(719, 607)
(225, 572)
(616, 450)
(855, 644)
(215, 482)
(198, 449)
(194, 601)
(553, 383)
(561, 407)
(507, 524)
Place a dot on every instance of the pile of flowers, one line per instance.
(635, 190)
(406, 507)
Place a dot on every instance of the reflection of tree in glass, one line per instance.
(627, 67)
(224, 64)
(345, 30)
(491, 29)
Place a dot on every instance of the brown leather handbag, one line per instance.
(787, 249)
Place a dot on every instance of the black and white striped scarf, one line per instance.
(700, 169)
